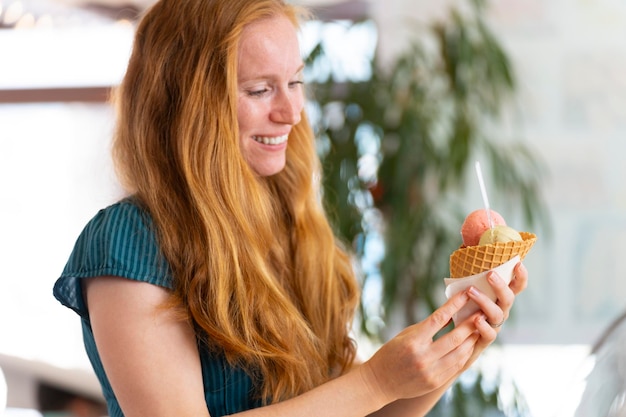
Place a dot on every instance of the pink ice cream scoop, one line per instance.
(476, 223)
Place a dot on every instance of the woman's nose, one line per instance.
(287, 108)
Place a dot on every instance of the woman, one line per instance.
(217, 286)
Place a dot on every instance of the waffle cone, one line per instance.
(470, 260)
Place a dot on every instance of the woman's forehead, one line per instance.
(269, 45)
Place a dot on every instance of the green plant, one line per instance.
(397, 149)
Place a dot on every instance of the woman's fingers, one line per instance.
(487, 330)
(493, 313)
(455, 338)
(520, 279)
(456, 360)
(496, 312)
(504, 294)
(441, 317)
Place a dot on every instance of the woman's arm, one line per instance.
(152, 361)
(153, 365)
(151, 358)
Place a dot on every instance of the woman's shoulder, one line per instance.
(120, 240)
(119, 216)
(122, 226)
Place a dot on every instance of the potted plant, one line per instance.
(398, 149)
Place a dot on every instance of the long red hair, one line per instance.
(257, 268)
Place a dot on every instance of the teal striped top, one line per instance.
(120, 241)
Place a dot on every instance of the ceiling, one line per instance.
(16, 13)
(25, 14)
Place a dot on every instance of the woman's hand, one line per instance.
(413, 364)
(494, 314)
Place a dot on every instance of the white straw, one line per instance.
(483, 191)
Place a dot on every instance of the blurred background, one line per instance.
(567, 109)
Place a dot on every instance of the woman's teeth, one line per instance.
(271, 141)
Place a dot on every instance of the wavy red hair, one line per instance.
(256, 265)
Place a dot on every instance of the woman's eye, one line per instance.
(260, 92)
(257, 93)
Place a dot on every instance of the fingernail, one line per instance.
(472, 290)
(493, 278)
(523, 268)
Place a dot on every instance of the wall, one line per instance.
(570, 59)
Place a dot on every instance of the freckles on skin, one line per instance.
(270, 97)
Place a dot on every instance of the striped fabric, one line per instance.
(120, 241)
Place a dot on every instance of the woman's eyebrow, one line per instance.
(268, 76)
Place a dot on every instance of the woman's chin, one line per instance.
(268, 168)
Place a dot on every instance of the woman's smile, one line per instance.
(276, 140)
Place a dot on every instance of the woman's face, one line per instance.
(270, 97)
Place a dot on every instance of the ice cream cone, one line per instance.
(470, 260)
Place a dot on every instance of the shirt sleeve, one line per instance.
(119, 241)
